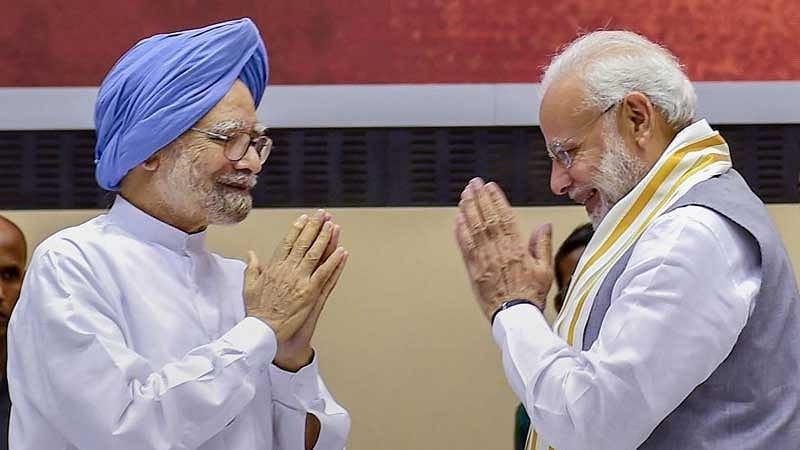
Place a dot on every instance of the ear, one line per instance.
(638, 118)
(151, 164)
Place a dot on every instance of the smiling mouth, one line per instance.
(237, 187)
(591, 195)
(582, 199)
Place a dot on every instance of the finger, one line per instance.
(540, 245)
(313, 256)
(508, 242)
(334, 279)
(507, 223)
(288, 241)
(464, 239)
(326, 269)
(480, 263)
(468, 206)
(307, 237)
(313, 316)
(476, 183)
(332, 244)
(488, 211)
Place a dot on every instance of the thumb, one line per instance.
(253, 267)
(540, 245)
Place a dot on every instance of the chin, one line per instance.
(231, 210)
(600, 212)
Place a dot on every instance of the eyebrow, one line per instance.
(232, 125)
(227, 126)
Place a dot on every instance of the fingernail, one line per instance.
(302, 219)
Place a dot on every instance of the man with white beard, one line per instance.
(129, 333)
(680, 328)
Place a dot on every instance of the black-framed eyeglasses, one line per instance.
(562, 150)
(237, 144)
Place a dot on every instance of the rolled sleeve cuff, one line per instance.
(256, 339)
(297, 390)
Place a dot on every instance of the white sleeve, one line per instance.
(73, 364)
(296, 394)
(675, 315)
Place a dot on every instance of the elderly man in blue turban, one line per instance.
(130, 334)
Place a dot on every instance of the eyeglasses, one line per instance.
(562, 150)
(237, 144)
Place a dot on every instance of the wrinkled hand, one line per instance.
(296, 352)
(290, 291)
(498, 266)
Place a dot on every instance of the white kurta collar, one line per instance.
(146, 227)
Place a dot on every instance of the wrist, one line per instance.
(510, 304)
(294, 361)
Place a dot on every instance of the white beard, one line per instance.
(189, 193)
(618, 173)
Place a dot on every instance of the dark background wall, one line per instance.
(346, 167)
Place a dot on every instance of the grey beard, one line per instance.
(226, 206)
(190, 195)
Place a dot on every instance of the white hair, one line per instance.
(614, 63)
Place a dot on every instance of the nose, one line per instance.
(559, 178)
(250, 161)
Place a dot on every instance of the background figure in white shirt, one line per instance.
(130, 334)
(680, 327)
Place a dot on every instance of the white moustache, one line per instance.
(239, 179)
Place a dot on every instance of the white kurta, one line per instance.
(130, 335)
(675, 315)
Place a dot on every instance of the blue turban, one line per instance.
(165, 84)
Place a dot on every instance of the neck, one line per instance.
(156, 206)
(662, 137)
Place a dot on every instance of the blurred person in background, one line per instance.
(13, 254)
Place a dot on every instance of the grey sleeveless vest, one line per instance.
(752, 400)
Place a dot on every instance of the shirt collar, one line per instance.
(147, 228)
